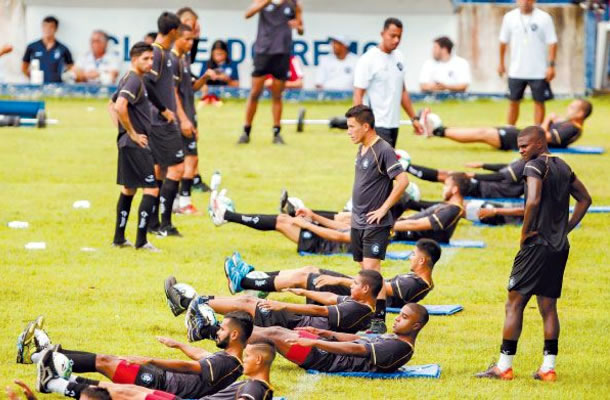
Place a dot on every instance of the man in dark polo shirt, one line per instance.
(277, 19)
(53, 56)
(540, 263)
(373, 195)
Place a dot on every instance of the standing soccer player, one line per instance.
(380, 75)
(372, 197)
(131, 111)
(277, 19)
(539, 265)
(166, 138)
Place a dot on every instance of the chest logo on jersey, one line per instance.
(169, 63)
(306, 235)
(57, 54)
(287, 11)
(365, 163)
(270, 8)
(534, 27)
(348, 70)
(399, 66)
(146, 378)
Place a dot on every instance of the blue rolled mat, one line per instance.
(390, 255)
(441, 309)
(415, 371)
(463, 244)
(519, 200)
(596, 209)
(24, 109)
(577, 150)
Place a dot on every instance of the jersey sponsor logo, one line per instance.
(149, 179)
(365, 163)
(375, 248)
(307, 235)
(180, 153)
(192, 145)
(399, 66)
(146, 378)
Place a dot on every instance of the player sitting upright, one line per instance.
(559, 132)
(401, 289)
(338, 313)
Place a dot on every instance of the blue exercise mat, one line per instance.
(577, 150)
(24, 109)
(444, 309)
(390, 255)
(519, 200)
(596, 209)
(415, 371)
(462, 244)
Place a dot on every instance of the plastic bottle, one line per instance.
(215, 180)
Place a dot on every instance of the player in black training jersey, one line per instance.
(558, 132)
(540, 263)
(323, 350)
(206, 373)
(130, 111)
(258, 358)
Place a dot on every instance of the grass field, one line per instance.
(111, 301)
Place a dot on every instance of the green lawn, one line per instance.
(111, 301)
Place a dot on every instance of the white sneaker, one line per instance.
(217, 208)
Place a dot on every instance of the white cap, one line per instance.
(344, 40)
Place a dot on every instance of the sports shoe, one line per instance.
(548, 376)
(284, 202)
(149, 247)
(378, 327)
(170, 230)
(201, 186)
(493, 372)
(46, 371)
(243, 139)
(200, 320)
(217, 208)
(25, 344)
(173, 296)
(123, 245)
(277, 139)
(235, 272)
(188, 210)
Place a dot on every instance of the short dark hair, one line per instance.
(444, 43)
(533, 130)
(139, 48)
(587, 107)
(243, 322)
(362, 114)
(50, 19)
(185, 10)
(151, 35)
(96, 392)
(421, 312)
(184, 28)
(266, 347)
(462, 181)
(392, 21)
(431, 248)
(372, 279)
(167, 22)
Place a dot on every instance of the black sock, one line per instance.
(380, 309)
(440, 131)
(257, 221)
(273, 273)
(551, 347)
(83, 361)
(74, 389)
(197, 179)
(153, 221)
(427, 174)
(509, 347)
(166, 200)
(247, 129)
(276, 130)
(264, 284)
(87, 381)
(123, 207)
(144, 214)
(185, 187)
(326, 214)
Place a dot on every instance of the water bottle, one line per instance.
(215, 181)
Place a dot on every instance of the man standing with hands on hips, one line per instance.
(372, 197)
(528, 31)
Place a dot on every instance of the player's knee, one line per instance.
(255, 94)
(309, 269)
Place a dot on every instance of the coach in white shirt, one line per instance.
(380, 75)
(530, 34)
(444, 72)
(336, 71)
(98, 65)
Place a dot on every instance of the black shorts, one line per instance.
(309, 242)
(390, 135)
(336, 289)
(151, 377)
(281, 318)
(414, 236)
(474, 189)
(370, 243)
(508, 137)
(541, 90)
(166, 144)
(538, 270)
(190, 145)
(136, 168)
(276, 65)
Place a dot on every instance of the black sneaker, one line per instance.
(122, 245)
(243, 139)
(46, 371)
(377, 327)
(169, 230)
(284, 201)
(277, 139)
(201, 186)
(173, 296)
(200, 320)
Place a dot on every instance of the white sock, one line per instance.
(72, 378)
(42, 338)
(185, 201)
(57, 385)
(505, 362)
(36, 357)
(548, 362)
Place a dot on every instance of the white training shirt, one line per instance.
(109, 62)
(383, 77)
(455, 71)
(528, 37)
(335, 74)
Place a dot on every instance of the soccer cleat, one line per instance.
(235, 271)
(277, 139)
(173, 296)
(149, 247)
(46, 371)
(25, 344)
(493, 372)
(548, 376)
(378, 327)
(217, 208)
(201, 186)
(199, 325)
(188, 210)
(243, 139)
(284, 202)
(122, 245)
(170, 230)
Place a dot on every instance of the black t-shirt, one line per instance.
(274, 35)
(251, 389)
(375, 171)
(184, 83)
(218, 371)
(408, 288)
(510, 186)
(564, 133)
(132, 88)
(162, 78)
(551, 222)
(346, 316)
(443, 218)
(385, 353)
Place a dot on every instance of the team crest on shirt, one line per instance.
(348, 70)
(146, 378)
(306, 235)
(287, 11)
(502, 132)
(149, 179)
(169, 63)
(534, 27)
(399, 66)
(270, 8)
(375, 248)
(365, 163)
(57, 54)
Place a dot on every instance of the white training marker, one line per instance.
(82, 204)
(88, 249)
(36, 246)
(18, 225)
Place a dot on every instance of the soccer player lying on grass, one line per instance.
(559, 132)
(326, 351)
(90, 393)
(258, 358)
(338, 313)
(206, 374)
(401, 289)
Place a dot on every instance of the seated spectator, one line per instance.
(445, 73)
(54, 58)
(224, 71)
(99, 65)
(336, 71)
(150, 37)
(295, 75)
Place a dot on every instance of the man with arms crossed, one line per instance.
(539, 265)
